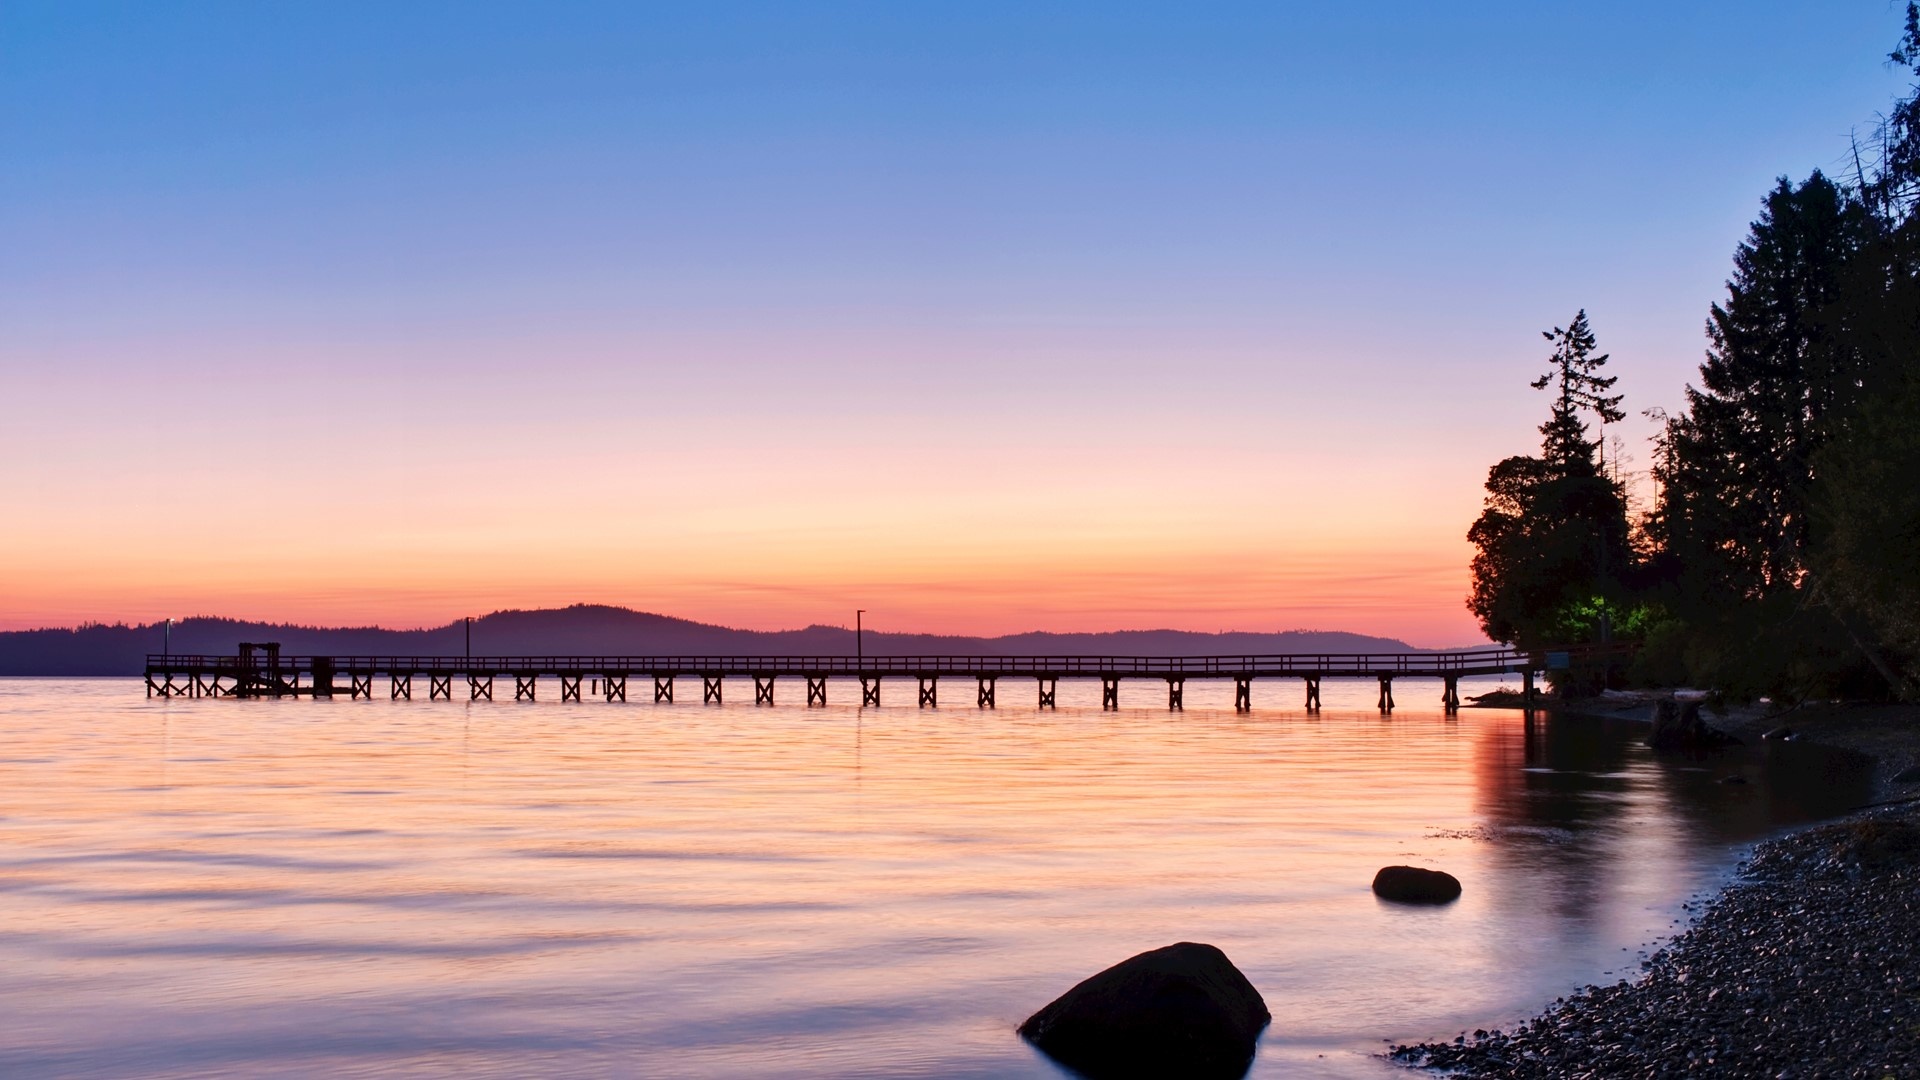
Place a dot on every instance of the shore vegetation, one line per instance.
(1779, 554)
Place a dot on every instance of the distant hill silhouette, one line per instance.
(599, 630)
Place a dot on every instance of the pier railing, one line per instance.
(1494, 660)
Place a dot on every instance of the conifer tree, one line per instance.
(1581, 387)
(1552, 542)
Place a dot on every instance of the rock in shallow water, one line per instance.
(1677, 726)
(1183, 1010)
(1413, 885)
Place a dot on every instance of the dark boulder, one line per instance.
(1678, 726)
(1184, 1010)
(1413, 885)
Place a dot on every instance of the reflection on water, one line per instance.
(220, 887)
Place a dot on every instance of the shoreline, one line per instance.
(1806, 964)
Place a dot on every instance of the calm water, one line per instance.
(340, 888)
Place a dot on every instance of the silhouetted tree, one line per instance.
(1576, 369)
(1552, 542)
(1781, 372)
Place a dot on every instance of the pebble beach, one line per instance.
(1806, 966)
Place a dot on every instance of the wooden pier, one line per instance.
(259, 670)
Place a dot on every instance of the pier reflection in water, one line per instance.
(204, 887)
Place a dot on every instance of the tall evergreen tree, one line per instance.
(1581, 387)
(1782, 374)
(1552, 542)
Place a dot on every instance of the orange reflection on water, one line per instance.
(198, 887)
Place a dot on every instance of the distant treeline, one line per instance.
(595, 630)
(1780, 554)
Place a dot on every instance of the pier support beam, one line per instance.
(362, 685)
(869, 690)
(663, 689)
(1109, 692)
(763, 690)
(524, 686)
(929, 692)
(400, 687)
(1450, 694)
(1526, 687)
(479, 686)
(614, 687)
(1243, 693)
(1176, 694)
(710, 689)
(1313, 693)
(986, 692)
(1049, 689)
(439, 687)
(569, 688)
(1386, 693)
(816, 691)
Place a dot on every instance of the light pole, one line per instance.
(859, 653)
(167, 648)
(469, 652)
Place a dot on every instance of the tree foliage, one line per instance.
(1552, 541)
(1781, 555)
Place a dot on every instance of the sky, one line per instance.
(981, 317)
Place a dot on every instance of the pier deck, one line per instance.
(258, 670)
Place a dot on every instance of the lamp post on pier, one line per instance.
(859, 651)
(469, 651)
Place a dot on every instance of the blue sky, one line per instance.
(1243, 242)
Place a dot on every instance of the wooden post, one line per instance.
(816, 691)
(1176, 694)
(1313, 693)
(1450, 694)
(869, 690)
(614, 686)
(986, 692)
(479, 686)
(763, 692)
(1243, 693)
(662, 689)
(323, 676)
(929, 691)
(569, 688)
(401, 686)
(524, 686)
(1386, 693)
(439, 687)
(1049, 687)
(710, 689)
(1109, 692)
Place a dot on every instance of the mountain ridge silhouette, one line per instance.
(607, 630)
